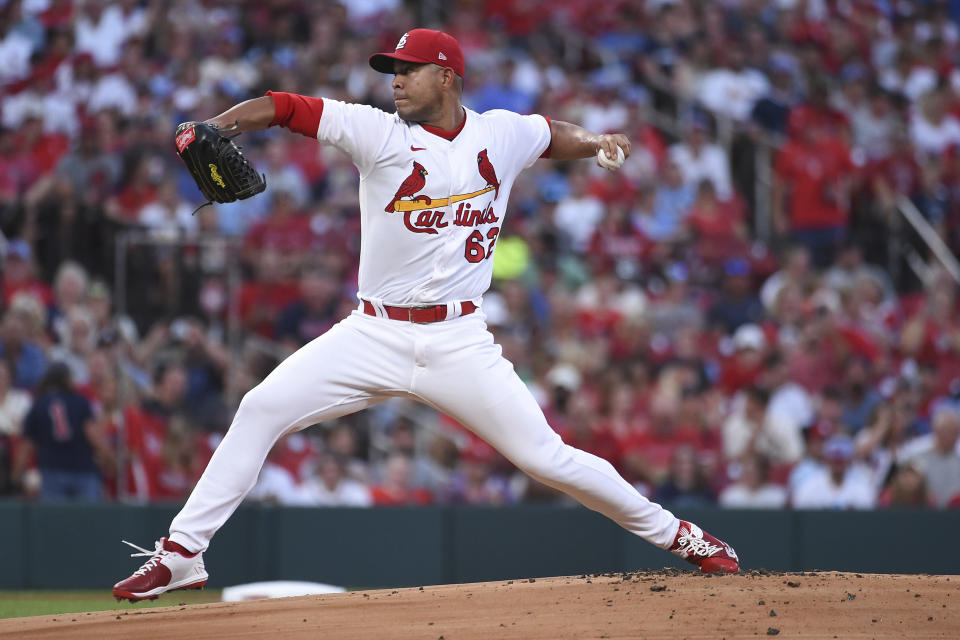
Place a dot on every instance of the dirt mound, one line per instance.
(665, 603)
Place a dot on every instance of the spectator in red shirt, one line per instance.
(719, 227)
(745, 365)
(263, 298)
(151, 476)
(811, 190)
(286, 231)
(396, 488)
(19, 274)
(139, 190)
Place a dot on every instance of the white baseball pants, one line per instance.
(453, 366)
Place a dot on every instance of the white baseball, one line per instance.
(609, 164)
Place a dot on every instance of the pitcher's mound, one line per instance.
(661, 604)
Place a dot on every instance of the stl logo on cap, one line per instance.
(403, 41)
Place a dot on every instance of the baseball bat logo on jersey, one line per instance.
(430, 211)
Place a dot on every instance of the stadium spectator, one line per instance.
(700, 159)
(940, 466)
(314, 311)
(578, 214)
(148, 438)
(329, 487)
(62, 432)
(77, 341)
(26, 358)
(752, 488)
(841, 485)
(749, 431)
(737, 303)
(396, 488)
(811, 188)
(685, 485)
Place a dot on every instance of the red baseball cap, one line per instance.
(423, 46)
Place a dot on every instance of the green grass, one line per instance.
(19, 604)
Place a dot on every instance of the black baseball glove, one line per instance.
(216, 163)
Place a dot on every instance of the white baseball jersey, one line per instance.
(431, 208)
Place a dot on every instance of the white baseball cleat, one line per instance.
(169, 568)
(698, 547)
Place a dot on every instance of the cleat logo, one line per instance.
(691, 542)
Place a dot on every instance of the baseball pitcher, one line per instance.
(435, 179)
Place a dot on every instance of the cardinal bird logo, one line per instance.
(487, 172)
(413, 183)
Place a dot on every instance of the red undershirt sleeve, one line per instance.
(300, 114)
(546, 154)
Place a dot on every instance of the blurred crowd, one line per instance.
(794, 344)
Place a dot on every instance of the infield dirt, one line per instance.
(648, 604)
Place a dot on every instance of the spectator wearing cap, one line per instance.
(19, 274)
(940, 465)
(742, 368)
(772, 111)
(737, 303)
(699, 159)
(112, 328)
(752, 488)
(841, 485)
